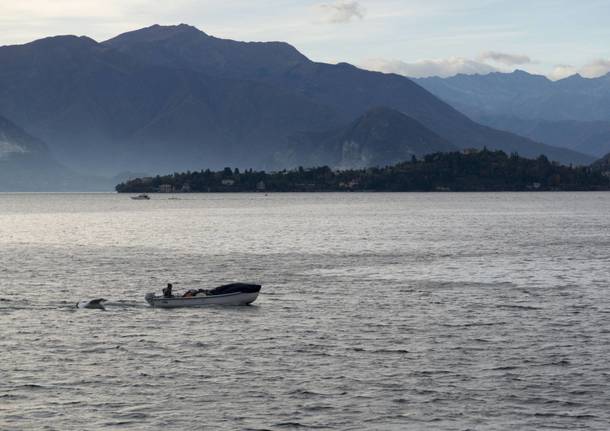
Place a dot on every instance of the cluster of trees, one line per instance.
(458, 171)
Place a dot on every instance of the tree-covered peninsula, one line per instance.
(457, 171)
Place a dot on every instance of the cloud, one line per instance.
(443, 67)
(341, 11)
(504, 58)
(446, 67)
(562, 71)
(593, 69)
(596, 68)
(26, 20)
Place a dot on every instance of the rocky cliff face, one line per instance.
(380, 137)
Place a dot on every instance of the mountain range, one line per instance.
(27, 165)
(167, 98)
(380, 137)
(573, 112)
(603, 164)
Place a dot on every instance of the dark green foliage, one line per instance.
(458, 171)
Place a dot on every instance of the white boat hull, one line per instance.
(236, 298)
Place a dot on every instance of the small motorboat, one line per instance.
(228, 294)
(142, 197)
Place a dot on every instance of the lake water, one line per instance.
(378, 311)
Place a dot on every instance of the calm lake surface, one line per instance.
(378, 311)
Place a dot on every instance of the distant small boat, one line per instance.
(228, 294)
(142, 197)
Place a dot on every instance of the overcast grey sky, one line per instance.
(414, 37)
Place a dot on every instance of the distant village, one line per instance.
(469, 170)
(149, 182)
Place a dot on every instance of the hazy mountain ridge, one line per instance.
(524, 95)
(589, 137)
(573, 112)
(27, 165)
(169, 98)
(380, 137)
(186, 47)
(105, 109)
(603, 163)
(14, 141)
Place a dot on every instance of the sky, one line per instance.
(556, 38)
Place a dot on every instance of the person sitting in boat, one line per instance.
(189, 293)
(167, 292)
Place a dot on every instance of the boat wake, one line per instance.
(110, 304)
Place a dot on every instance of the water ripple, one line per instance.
(381, 312)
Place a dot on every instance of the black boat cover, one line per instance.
(235, 287)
